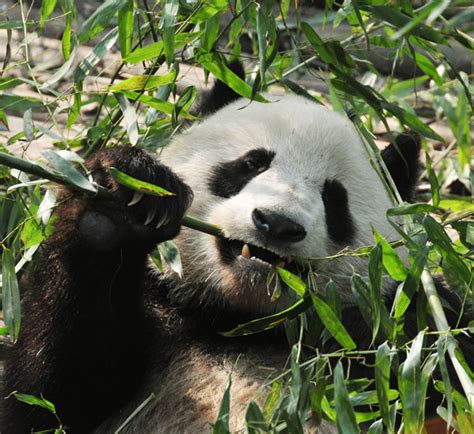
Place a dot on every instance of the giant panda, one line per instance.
(103, 329)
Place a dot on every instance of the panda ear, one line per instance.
(402, 159)
(220, 94)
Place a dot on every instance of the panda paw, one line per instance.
(130, 217)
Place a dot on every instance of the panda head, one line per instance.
(285, 180)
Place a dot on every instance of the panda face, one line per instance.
(285, 181)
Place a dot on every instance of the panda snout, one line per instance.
(276, 227)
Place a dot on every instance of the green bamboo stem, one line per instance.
(54, 176)
(443, 326)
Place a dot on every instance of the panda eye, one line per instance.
(228, 178)
(257, 160)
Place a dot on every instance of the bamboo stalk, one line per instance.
(54, 176)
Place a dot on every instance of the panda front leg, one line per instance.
(84, 327)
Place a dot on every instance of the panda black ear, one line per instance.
(402, 159)
(220, 94)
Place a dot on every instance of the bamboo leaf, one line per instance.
(69, 171)
(155, 50)
(47, 8)
(170, 254)
(33, 400)
(99, 19)
(144, 82)
(383, 361)
(216, 67)
(221, 426)
(345, 420)
(391, 262)
(126, 20)
(136, 184)
(332, 322)
(10, 294)
(293, 281)
(271, 321)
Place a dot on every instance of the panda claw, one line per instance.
(161, 221)
(150, 216)
(137, 197)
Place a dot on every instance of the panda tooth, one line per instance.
(137, 197)
(246, 251)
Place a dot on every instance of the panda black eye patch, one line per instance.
(228, 178)
(338, 216)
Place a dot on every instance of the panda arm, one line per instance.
(84, 326)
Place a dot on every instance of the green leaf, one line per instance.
(10, 294)
(99, 19)
(168, 20)
(410, 387)
(376, 427)
(345, 420)
(410, 286)
(28, 127)
(33, 400)
(332, 323)
(216, 67)
(19, 104)
(170, 254)
(9, 82)
(15, 24)
(61, 72)
(66, 44)
(383, 361)
(391, 262)
(433, 181)
(293, 281)
(255, 420)
(271, 321)
(47, 8)
(443, 243)
(319, 46)
(415, 208)
(126, 19)
(207, 10)
(136, 184)
(130, 118)
(411, 120)
(155, 50)
(93, 57)
(144, 82)
(375, 278)
(361, 293)
(73, 175)
(221, 426)
(398, 20)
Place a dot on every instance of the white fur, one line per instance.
(311, 144)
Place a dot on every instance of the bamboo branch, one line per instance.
(57, 177)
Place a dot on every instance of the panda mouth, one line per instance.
(231, 250)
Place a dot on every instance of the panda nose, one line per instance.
(277, 227)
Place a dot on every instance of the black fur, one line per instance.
(227, 179)
(403, 163)
(339, 221)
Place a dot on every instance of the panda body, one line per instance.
(310, 145)
(290, 180)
